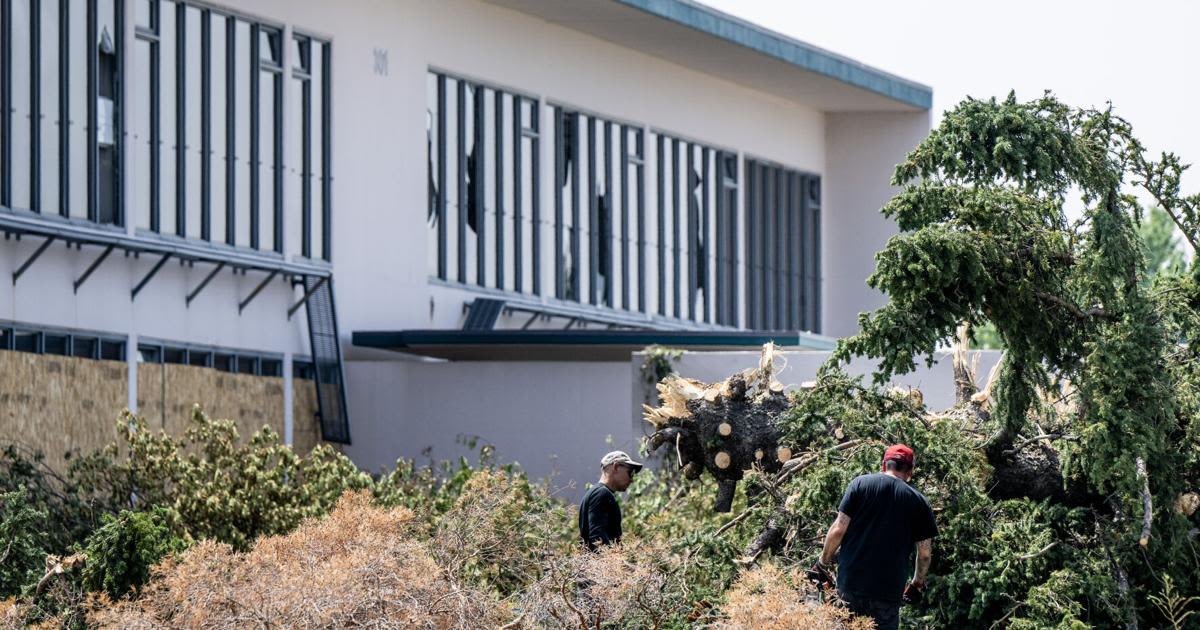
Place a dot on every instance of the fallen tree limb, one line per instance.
(733, 521)
(796, 464)
(1040, 552)
(1147, 502)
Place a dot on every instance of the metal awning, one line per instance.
(572, 345)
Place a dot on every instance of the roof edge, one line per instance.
(795, 52)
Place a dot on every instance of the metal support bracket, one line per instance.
(307, 294)
(253, 294)
(20, 270)
(203, 283)
(153, 270)
(94, 265)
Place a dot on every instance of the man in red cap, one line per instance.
(880, 520)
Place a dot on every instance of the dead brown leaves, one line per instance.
(768, 598)
(360, 566)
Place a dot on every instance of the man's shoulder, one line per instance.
(599, 493)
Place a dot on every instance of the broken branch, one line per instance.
(1147, 502)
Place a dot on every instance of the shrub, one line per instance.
(768, 598)
(121, 553)
(23, 542)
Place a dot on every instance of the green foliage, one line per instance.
(221, 487)
(659, 362)
(1161, 244)
(121, 553)
(24, 542)
(1172, 605)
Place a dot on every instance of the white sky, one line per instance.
(1143, 56)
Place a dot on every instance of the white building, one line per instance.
(532, 189)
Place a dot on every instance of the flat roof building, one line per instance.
(391, 224)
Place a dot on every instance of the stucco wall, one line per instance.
(554, 418)
(862, 152)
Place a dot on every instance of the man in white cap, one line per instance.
(599, 514)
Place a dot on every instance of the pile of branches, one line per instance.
(1065, 482)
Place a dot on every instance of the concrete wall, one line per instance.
(862, 151)
(554, 418)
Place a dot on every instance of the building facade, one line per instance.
(391, 224)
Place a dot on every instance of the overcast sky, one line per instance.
(1142, 56)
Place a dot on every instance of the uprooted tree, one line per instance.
(1064, 481)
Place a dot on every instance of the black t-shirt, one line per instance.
(887, 518)
(599, 517)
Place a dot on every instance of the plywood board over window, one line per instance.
(306, 426)
(59, 404)
(252, 402)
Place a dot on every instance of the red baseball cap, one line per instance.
(898, 452)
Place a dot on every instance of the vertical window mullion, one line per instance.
(781, 253)
(662, 226)
(608, 217)
(180, 120)
(535, 205)
(559, 182)
(518, 139)
(676, 251)
(35, 105)
(6, 113)
(751, 197)
(255, 132)
(64, 111)
(231, 130)
(576, 245)
(706, 234)
(306, 214)
(479, 176)
(205, 125)
(461, 267)
(327, 151)
(441, 169)
(624, 149)
(594, 228)
(640, 142)
(693, 234)
(119, 114)
(498, 156)
(731, 250)
(93, 206)
(277, 138)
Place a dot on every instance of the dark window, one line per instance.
(84, 347)
(150, 354)
(199, 358)
(55, 344)
(27, 341)
(224, 362)
(483, 210)
(272, 367)
(174, 355)
(247, 365)
(6, 338)
(303, 369)
(783, 214)
(111, 350)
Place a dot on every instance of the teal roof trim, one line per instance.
(783, 48)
